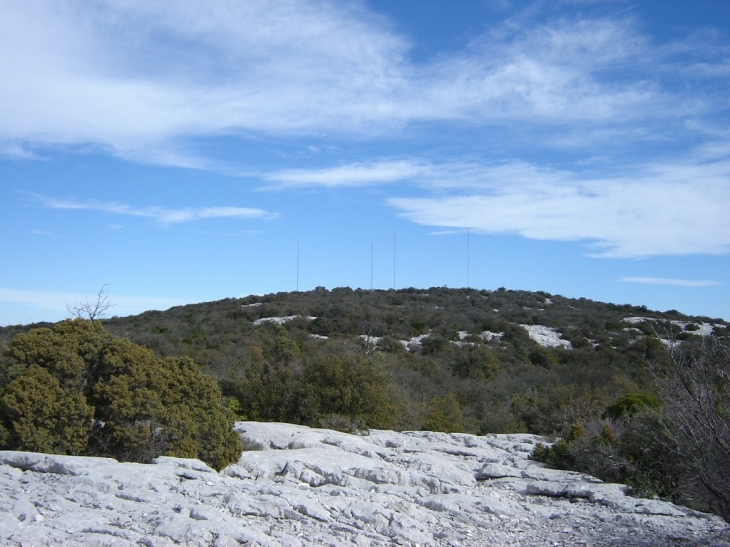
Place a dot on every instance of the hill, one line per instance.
(619, 384)
(478, 361)
(467, 360)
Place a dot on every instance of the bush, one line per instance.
(340, 380)
(445, 415)
(630, 404)
(500, 421)
(77, 389)
(346, 424)
(695, 391)
(551, 409)
(635, 450)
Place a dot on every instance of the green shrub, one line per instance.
(500, 422)
(557, 455)
(77, 389)
(542, 357)
(630, 404)
(635, 451)
(339, 380)
(346, 424)
(42, 417)
(445, 415)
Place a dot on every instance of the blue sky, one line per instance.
(188, 151)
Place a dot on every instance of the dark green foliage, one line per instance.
(556, 455)
(77, 389)
(334, 382)
(598, 396)
(434, 344)
(478, 363)
(541, 357)
(635, 451)
(674, 445)
(630, 404)
(340, 380)
(445, 415)
(38, 415)
(501, 384)
(552, 409)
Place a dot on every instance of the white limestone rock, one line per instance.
(497, 471)
(318, 487)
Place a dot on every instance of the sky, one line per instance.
(182, 152)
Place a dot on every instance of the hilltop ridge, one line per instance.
(460, 360)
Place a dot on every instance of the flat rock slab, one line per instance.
(318, 487)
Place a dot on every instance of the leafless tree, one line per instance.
(92, 310)
(695, 389)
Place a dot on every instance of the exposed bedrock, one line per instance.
(307, 486)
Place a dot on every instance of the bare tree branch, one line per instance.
(695, 389)
(92, 310)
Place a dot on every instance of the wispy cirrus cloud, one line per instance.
(162, 215)
(459, 174)
(675, 282)
(355, 174)
(44, 233)
(139, 78)
(654, 209)
(17, 151)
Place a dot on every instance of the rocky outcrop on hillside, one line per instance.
(300, 486)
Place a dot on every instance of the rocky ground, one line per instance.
(300, 486)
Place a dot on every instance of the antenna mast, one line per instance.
(468, 258)
(297, 265)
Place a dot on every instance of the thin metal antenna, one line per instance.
(468, 258)
(297, 265)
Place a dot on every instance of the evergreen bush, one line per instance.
(77, 389)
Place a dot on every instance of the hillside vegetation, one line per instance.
(461, 360)
(466, 360)
(77, 389)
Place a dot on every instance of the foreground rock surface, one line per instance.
(304, 486)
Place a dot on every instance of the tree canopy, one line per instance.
(77, 389)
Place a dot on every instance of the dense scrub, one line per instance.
(450, 360)
(77, 389)
(456, 378)
(675, 445)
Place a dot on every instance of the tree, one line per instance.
(92, 310)
(695, 391)
(339, 379)
(43, 417)
(445, 415)
(77, 389)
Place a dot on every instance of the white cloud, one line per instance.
(427, 174)
(676, 208)
(128, 74)
(677, 282)
(44, 233)
(555, 73)
(14, 150)
(356, 174)
(138, 78)
(58, 301)
(161, 214)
